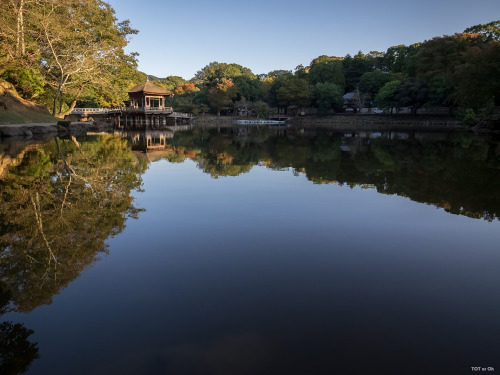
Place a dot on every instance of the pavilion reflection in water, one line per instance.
(152, 140)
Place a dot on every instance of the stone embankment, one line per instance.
(61, 128)
(351, 122)
(30, 130)
(81, 128)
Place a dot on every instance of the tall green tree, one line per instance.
(294, 92)
(326, 69)
(441, 91)
(327, 96)
(386, 97)
(412, 93)
(477, 80)
(489, 31)
(248, 88)
(443, 55)
(271, 84)
(372, 82)
(78, 42)
(221, 97)
(402, 59)
(354, 68)
(216, 72)
(171, 82)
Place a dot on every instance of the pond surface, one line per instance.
(250, 251)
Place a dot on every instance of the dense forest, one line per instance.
(71, 52)
(460, 72)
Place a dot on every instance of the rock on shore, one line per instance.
(29, 130)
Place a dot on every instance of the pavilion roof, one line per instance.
(149, 88)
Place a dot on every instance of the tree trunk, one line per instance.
(56, 97)
(18, 31)
(20, 45)
(23, 44)
(71, 108)
(58, 92)
(21, 12)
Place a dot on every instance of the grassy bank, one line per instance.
(16, 110)
(25, 117)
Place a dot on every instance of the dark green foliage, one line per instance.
(468, 117)
(261, 109)
(327, 96)
(294, 92)
(372, 82)
(443, 55)
(171, 82)
(354, 68)
(29, 83)
(248, 88)
(477, 80)
(17, 353)
(280, 73)
(489, 31)
(386, 97)
(301, 71)
(216, 72)
(441, 90)
(412, 93)
(330, 71)
(402, 59)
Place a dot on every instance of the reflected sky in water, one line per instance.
(268, 273)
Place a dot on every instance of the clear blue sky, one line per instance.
(181, 37)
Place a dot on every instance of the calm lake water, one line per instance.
(250, 251)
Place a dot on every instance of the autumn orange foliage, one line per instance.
(184, 89)
(226, 84)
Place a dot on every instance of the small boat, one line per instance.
(258, 122)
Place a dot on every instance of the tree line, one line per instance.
(460, 71)
(71, 52)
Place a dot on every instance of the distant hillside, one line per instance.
(154, 78)
(16, 110)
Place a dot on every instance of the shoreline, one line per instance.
(30, 130)
(352, 122)
(36, 130)
(334, 122)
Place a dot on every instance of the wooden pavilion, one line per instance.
(147, 111)
(148, 96)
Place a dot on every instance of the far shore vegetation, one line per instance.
(72, 53)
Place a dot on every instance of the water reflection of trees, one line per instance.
(57, 208)
(456, 171)
(17, 352)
